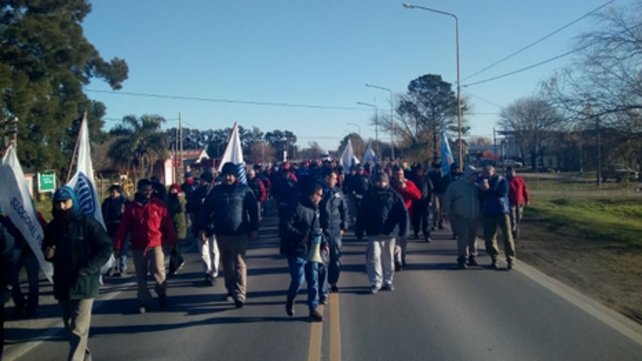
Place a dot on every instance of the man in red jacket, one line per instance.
(409, 193)
(517, 198)
(151, 227)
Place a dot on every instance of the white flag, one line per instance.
(347, 157)
(234, 153)
(16, 201)
(369, 156)
(84, 185)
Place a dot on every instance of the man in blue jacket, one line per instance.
(232, 210)
(78, 246)
(495, 213)
(382, 217)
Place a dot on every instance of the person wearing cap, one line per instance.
(518, 197)
(208, 247)
(231, 208)
(149, 223)
(286, 190)
(495, 210)
(382, 217)
(113, 208)
(78, 246)
(440, 184)
(420, 208)
(258, 187)
(176, 206)
(462, 207)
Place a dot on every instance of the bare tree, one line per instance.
(531, 120)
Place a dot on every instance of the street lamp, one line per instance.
(376, 118)
(392, 123)
(412, 6)
(358, 127)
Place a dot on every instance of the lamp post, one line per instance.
(459, 144)
(356, 125)
(376, 118)
(392, 123)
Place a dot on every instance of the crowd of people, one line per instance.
(318, 202)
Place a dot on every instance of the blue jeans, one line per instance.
(300, 270)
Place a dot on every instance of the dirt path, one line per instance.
(612, 277)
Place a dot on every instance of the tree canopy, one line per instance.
(44, 61)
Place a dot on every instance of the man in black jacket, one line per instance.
(382, 214)
(420, 207)
(334, 222)
(299, 232)
(78, 246)
(113, 208)
(232, 210)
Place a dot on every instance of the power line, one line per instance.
(228, 101)
(539, 40)
(482, 99)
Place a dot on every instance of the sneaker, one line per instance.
(472, 261)
(208, 281)
(334, 288)
(323, 300)
(316, 316)
(427, 239)
(289, 307)
(238, 304)
(510, 266)
(162, 300)
(142, 309)
(493, 264)
(374, 289)
(388, 287)
(461, 265)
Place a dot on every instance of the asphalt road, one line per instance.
(436, 313)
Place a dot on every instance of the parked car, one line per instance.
(620, 173)
(509, 162)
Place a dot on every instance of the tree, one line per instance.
(44, 62)
(139, 144)
(429, 105)
(531, 120)
(280, 140)
(314, 151)
(260, 153)
(601, 90)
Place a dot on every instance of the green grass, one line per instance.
(613, 222)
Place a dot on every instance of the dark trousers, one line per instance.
(420, 217)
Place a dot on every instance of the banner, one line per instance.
(234, 153)
(446, 155)
(348, 159)
(83, 182)
(16, 201)
(369, 156)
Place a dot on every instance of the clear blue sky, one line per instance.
(320, 53)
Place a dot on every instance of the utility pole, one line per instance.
(599, 150)
(180, 142)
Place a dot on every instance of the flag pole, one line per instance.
(73, 155)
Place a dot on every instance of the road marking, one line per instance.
(316, 338)
(335, 328)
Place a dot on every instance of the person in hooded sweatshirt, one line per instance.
(78, 246)
(149, 222)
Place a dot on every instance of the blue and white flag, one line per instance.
(84, 185)
(16, 202)
(369, 155)
(348, 159)
(234, 153)
(446, 155)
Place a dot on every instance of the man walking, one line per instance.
(208, 247)
(462, 207)
(517, 198)
(410, 194)
(150, 225)
(420, 207)
(113, 208)
(232, 210)
(382, 214)
(78, 246)
(495, 211)
(299, 232)
(334, 223)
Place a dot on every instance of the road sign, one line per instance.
(46, 182)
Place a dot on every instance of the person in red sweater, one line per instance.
(409, 193)
(150, 225)
(517, 199)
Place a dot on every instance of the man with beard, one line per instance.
(232, 210)
(150, 225)
(78, 246)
